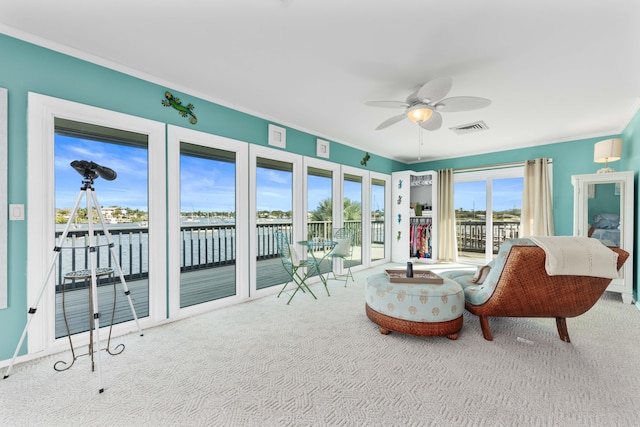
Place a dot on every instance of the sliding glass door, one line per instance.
(352, 213)
(322, 216)
(488, 205)
(274, 202)
(378, 233)
(130, 188)
(207, 224)
(470, 200)
(207, 217)
(124, 207)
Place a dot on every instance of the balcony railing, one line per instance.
(472, 235)
(203, 246)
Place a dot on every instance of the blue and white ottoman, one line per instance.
(414, 308)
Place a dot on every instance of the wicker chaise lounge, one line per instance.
(519, 286)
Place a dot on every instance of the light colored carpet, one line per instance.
(323, 363)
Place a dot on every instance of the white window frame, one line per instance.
(336, 213)
(365, 206)
(42, 111)
(176, 135)
(299, 209)
(387, 217)
(488, 175)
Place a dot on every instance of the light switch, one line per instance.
(16, 212)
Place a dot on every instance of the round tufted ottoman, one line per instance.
(413, 308)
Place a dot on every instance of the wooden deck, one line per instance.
(196, 287)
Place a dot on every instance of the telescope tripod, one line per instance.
(92, 201)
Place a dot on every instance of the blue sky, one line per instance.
(206, 185)
(129, 189)
(209, 186)
(507, 194)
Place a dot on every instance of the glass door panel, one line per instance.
(488, 205)
(274, 211)
(377, 219)
(352, 213)
(320, 211)
(207, 224)
(506, 205)
(470, 199)
(124, 207)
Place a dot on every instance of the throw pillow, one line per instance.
(606, 221)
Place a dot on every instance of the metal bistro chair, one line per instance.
(344, 251)
(293, 264)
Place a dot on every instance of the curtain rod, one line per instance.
(496, 166)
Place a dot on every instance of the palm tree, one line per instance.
(352, 210)
(324, 211)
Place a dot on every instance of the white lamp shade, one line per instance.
(608, 150)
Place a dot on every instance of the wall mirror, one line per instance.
(604, 210)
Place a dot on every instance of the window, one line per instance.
(208, 224)
(123, 203)
(378, 234)
(320, 224)
(208, 213)
(108, 135)
(352, 213)
(488, 205)
(275, 211)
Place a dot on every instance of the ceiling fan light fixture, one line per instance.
(425, 105)
(419, 113)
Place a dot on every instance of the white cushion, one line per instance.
(293, 254)
(343, 248)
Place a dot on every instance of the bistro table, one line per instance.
(312, 246)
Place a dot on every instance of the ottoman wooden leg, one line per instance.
(387, 324)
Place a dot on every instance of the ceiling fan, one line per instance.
(424, 105)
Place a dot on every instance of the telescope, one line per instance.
(92, 170)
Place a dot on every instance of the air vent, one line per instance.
(470, 127)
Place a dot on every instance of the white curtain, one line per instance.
(447, 242)
(537, 203)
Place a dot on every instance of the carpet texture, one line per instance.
(323, 363)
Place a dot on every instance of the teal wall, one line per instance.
(569, 158)
(29, 68)
(631, 161)
(604, 201)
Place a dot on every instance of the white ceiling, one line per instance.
(554, 70)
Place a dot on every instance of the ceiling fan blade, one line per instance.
(434, 122)
(387, 104)
(390, 121)
(434, 90)
(413, 98)
(462, 103)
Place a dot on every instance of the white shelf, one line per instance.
(428, 215)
